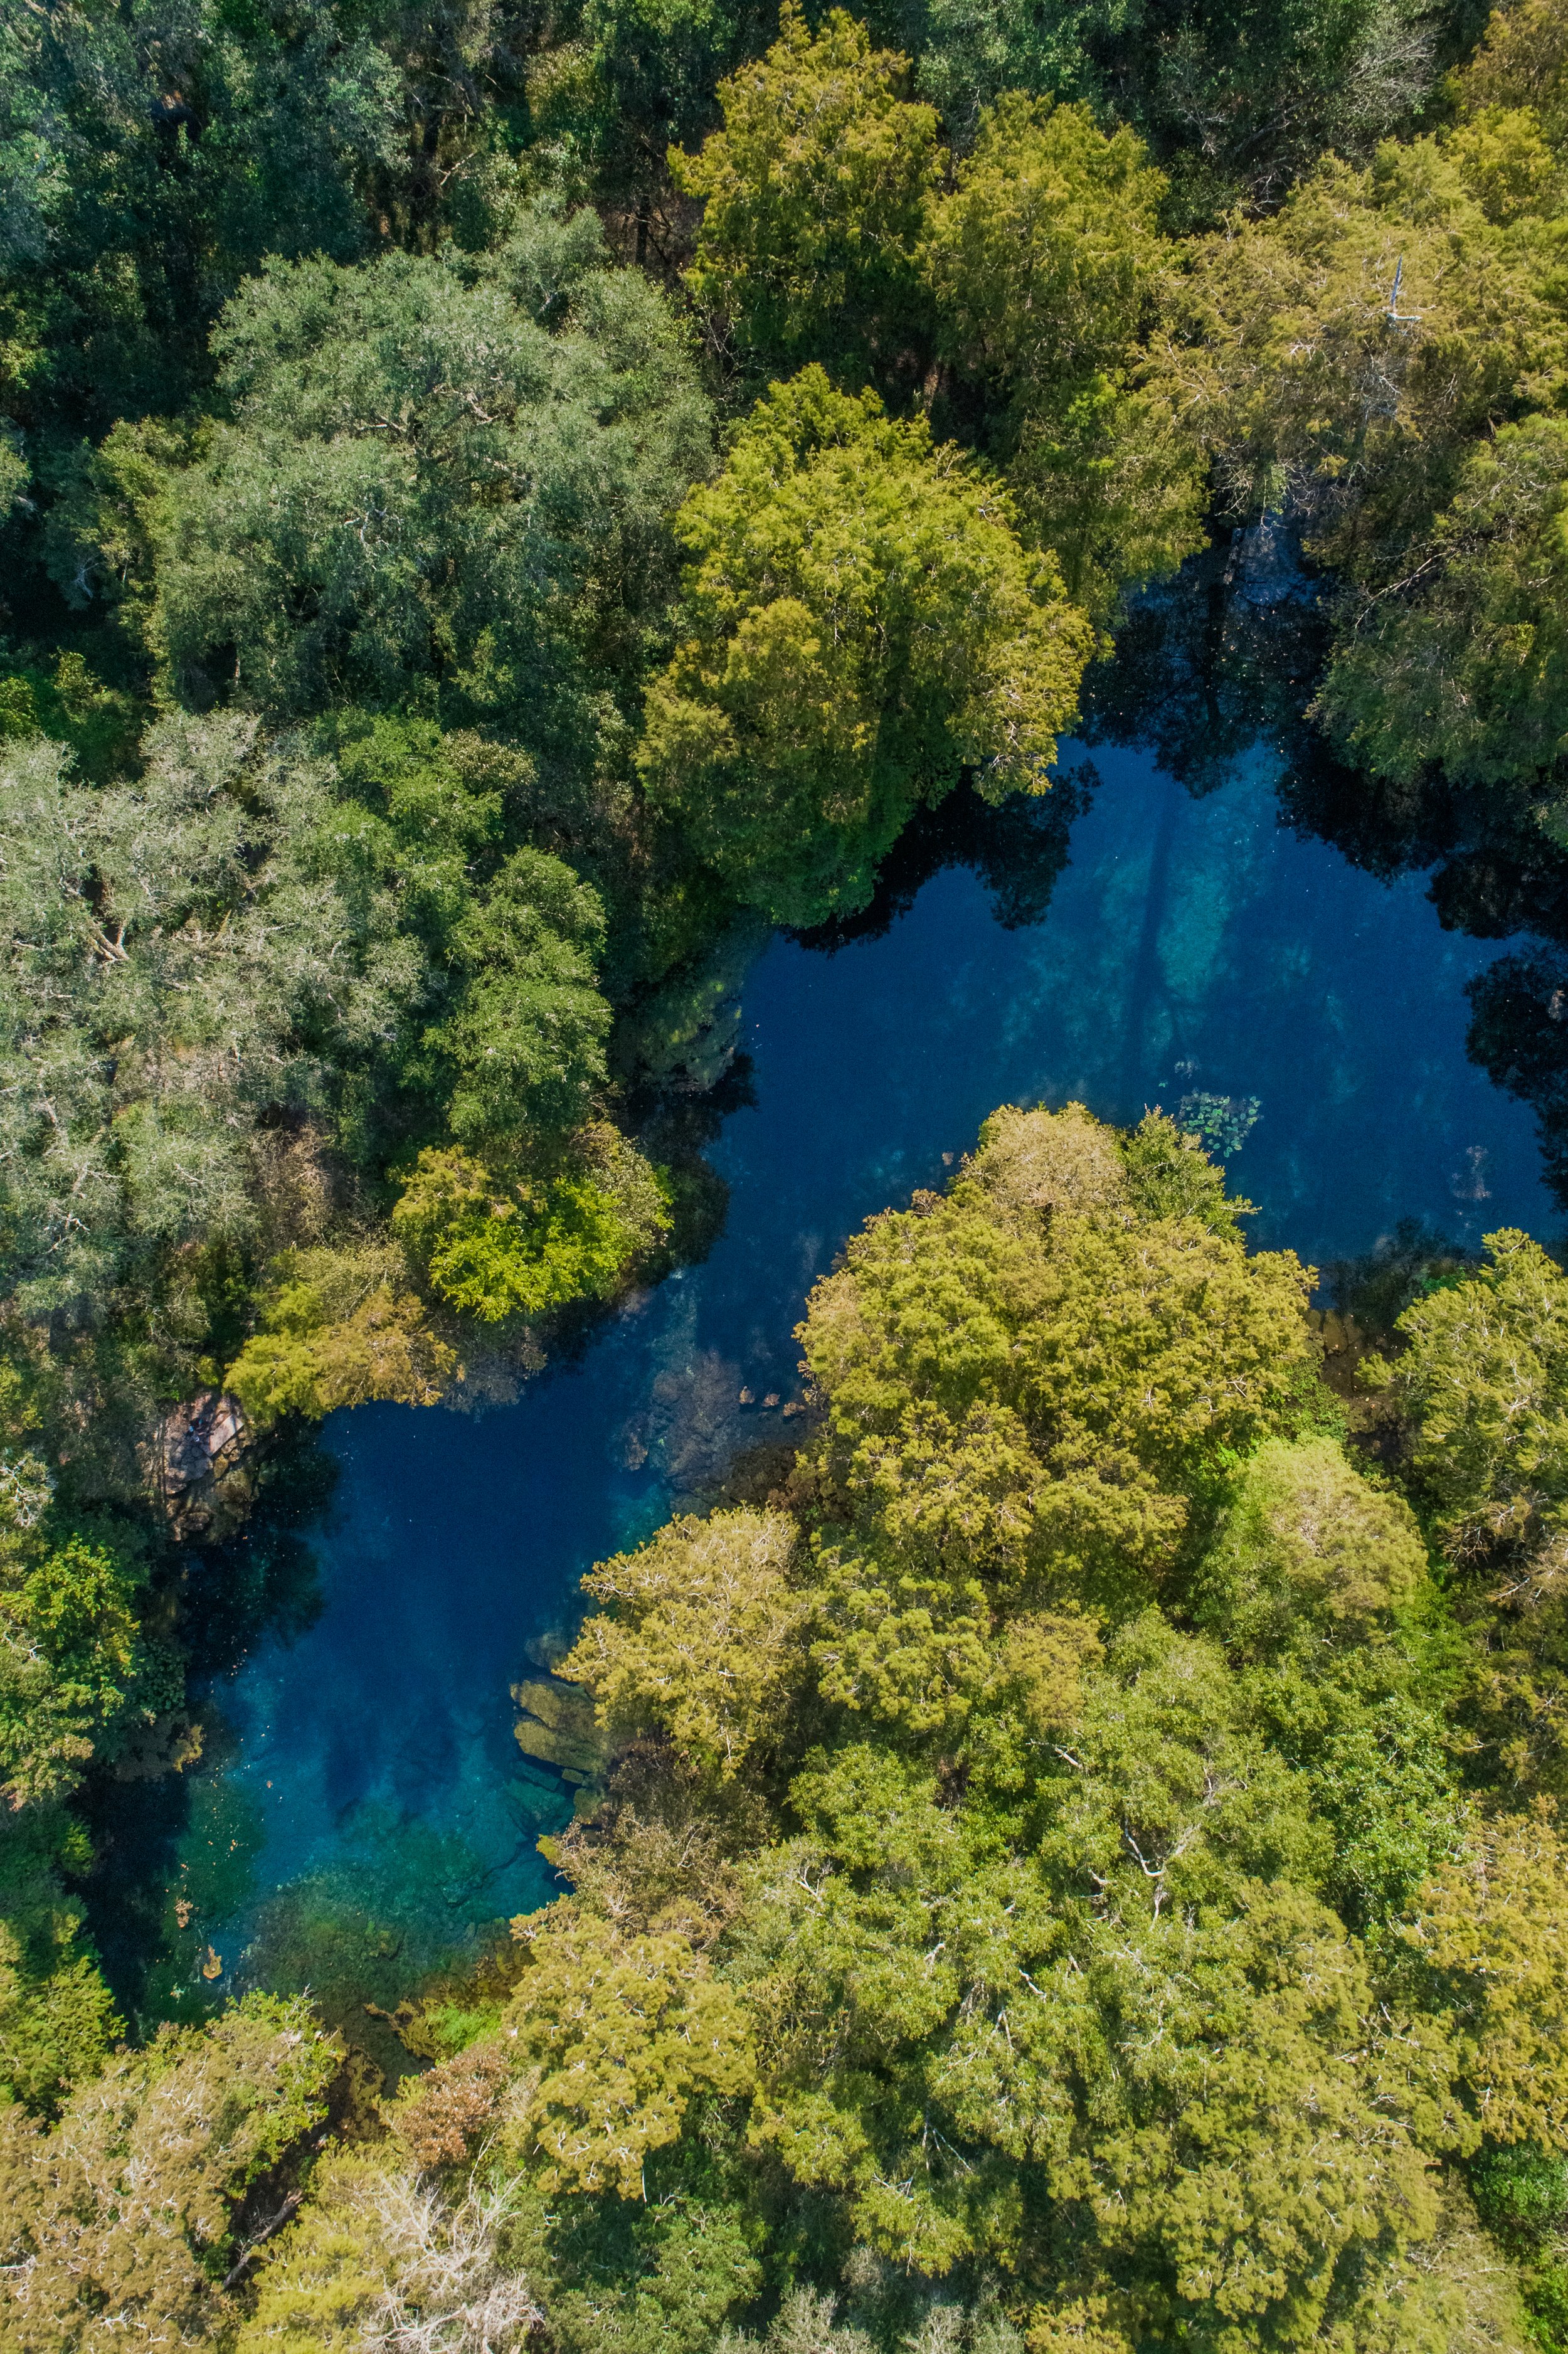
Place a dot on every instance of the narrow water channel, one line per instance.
(1192, 947)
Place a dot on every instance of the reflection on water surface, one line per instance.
(1192, 950)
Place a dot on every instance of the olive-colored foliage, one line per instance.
(1480, 1385)
(622, 2034)
(497, 1242)
(814, 195)
(1488, 1929)
(413, 474)
(859, 626)
(120, 2217)
(342, 1327)
(1049, 1161)
(1169, 1175)
(658, 2278)
(56, 2024)
(382, 2248)
(1484, 1380)
(69, 1654)
(1473, 674)
(1521, 62)
(1046, 251)
(1518, 1697)
(1307, 386)
(1309, 1551)
(1044, 263)
(964, 1916)
(897, 1643)
(699, 1639)
(942, 2014)
(1115, 1360)
(825, 236)
(656, 1855)
(1376, 360)
(979, 1358)
(1056, 1859)
(99, 723)
(586, 2072)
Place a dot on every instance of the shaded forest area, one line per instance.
(502, 509)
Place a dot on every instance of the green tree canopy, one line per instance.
(1046, 263)
(128, 2205)
(1484, 1378)
(1380, 362)
(1473, 673)
(498, 1241)
(1309, 1549)
(1066, 1357)
(427, 467)
(814, 195)
(860, 625)
(1488, 1926)
(147, 164)
(1007, 1952)
(528, 1035)
(178, 960)
(1235, 97)
(698, 1638)
(1523, 62)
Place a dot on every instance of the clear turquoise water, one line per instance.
(1197, 933)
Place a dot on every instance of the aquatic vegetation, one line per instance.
(558, 1728)
(400, 1905)
(1221, 1123)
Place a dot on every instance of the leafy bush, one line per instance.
(498, 1245)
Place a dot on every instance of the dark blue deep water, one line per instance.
(1191, 945)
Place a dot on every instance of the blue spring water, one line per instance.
(1193, 947)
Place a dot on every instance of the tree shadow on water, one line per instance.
(1227, 658)
(174, 1839)
(1016, 849)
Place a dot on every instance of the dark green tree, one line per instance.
(860, 627)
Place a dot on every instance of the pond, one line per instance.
(1191, 948)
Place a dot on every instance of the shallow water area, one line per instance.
(1192, 950)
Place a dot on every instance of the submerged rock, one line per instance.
(558, 1727)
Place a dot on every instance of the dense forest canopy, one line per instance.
(1077, 1865)
(501, 506)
